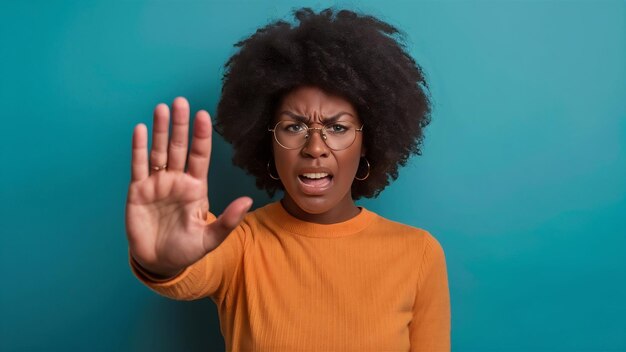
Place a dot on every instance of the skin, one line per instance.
(336, 204)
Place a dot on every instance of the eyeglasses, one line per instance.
(337, 135)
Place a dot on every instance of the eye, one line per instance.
(293, 127)
(337, 128)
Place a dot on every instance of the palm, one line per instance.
(166, 210)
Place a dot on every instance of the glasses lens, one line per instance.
(338, 135)
(290, 134)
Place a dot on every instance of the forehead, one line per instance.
(315, 103)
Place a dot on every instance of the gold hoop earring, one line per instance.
(368, 171)
(269, 172)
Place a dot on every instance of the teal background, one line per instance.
(523, 177)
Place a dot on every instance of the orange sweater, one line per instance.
(282, 284)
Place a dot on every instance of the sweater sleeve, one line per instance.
(430, 328)
(208, 277)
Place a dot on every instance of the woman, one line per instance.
(325, 111)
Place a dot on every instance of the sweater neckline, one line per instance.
(288, 222)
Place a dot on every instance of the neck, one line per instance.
(343, 211)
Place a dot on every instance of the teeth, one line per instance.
(315, 175)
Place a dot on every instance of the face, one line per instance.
(325, 196)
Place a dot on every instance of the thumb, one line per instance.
(234, 213)
(217, 231)
(228, 220)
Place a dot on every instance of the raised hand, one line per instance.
(166, 208)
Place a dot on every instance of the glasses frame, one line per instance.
(308, 134)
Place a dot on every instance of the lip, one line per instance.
(315, 190)
(313, 170)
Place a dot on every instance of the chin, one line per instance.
(315, 205)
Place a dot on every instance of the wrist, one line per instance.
(153, 274)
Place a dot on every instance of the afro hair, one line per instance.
(355, 56)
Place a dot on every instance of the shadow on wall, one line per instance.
(179, 326)
(199, 327)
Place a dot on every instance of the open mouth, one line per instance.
(318, 179)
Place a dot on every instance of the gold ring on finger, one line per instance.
(159, 168)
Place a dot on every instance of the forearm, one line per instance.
(190, 284)
(150, 275)
(209, 276)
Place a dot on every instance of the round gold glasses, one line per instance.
(337, 135)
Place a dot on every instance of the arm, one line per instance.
(430, 328)
(208, 277)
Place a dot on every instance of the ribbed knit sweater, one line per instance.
(283, 284)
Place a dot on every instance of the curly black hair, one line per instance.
(355, 56)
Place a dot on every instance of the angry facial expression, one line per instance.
(316, 178)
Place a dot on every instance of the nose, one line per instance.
(315, 146)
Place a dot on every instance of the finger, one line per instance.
(160, 126)
(139, 156)
(200, 155)
(177, 152)
(225, 223)
(235, 212)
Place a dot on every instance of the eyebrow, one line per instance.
(325, 120)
